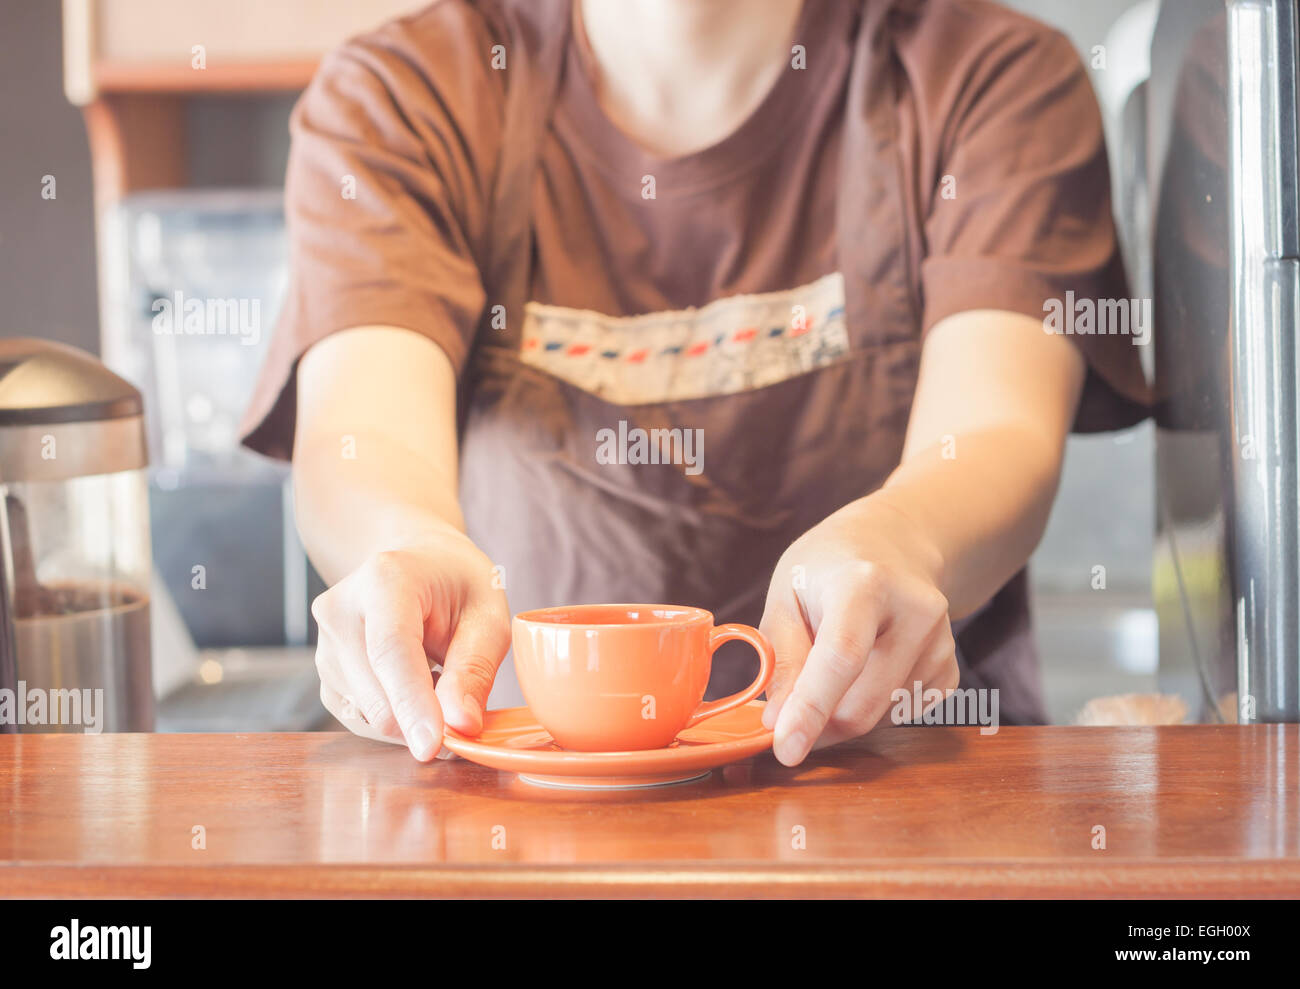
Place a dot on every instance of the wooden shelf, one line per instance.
(234, 77)
(132, 46)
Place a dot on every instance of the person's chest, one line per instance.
(626, 238)
(715, 272)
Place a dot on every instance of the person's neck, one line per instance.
(679, 75)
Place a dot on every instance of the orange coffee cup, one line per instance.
(621, 677)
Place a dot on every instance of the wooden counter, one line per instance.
(1207, 811)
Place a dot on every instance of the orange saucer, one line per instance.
(513, 740)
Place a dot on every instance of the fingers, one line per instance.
(872, 697)
(394, 645)
(939, 671)
(786, 630)
(874, 631)
(380, 625)
(851, 611)
(341, 663)
(470, 666)
(363, 704)
(344, 709)
(371, 660)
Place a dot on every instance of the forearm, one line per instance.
(375, 450)
(882, 579)
(981, 499)
(351, 507)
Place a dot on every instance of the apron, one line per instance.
(712, 538)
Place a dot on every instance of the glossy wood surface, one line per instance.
(911, 811)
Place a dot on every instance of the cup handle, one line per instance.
(766, 667)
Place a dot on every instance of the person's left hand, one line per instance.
(854, 612)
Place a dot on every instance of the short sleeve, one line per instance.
(1022, 212)
(391, 151)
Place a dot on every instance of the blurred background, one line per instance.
(168, 180)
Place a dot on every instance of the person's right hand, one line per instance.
(383, 627)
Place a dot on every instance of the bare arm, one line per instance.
(882, 577)
(374, 458)
(984, 447)
(375, 494)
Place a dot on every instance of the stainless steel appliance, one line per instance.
(1221, 144)
(74, 544)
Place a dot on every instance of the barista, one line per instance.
(821, 234)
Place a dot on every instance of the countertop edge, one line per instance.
(1173, 878)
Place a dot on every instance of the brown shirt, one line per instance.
(765, 298)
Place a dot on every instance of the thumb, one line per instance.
(470, 666)
(791, 643)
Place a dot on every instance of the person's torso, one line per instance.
(686, 397)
